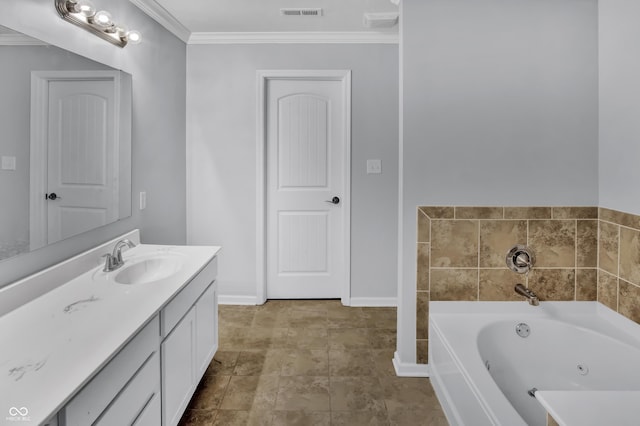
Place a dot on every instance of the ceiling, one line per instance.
(195, 17)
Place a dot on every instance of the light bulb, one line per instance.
(84, 8)
(134, 37)
(103, 19)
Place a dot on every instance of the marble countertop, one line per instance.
(53, 345)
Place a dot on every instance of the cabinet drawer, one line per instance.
(92, 400)
(135, 398)
(180, 305)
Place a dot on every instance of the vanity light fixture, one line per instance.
(83, 14)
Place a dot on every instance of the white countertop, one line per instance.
(591, 408)
(53, 345)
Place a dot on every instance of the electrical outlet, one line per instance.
(374, 166)
(143, 200)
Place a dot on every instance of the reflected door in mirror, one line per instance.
(82, 158)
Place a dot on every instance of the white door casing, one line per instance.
(74, 154)
(303, 242)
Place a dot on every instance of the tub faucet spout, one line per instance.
(531, 297)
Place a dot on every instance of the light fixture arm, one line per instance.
(112, 33)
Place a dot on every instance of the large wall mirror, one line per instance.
(65, 144)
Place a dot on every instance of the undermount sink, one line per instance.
(148, 270)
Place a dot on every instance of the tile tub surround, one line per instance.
(461, 256)
(309, 362)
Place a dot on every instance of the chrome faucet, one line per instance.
(532, 298)
(114, 260)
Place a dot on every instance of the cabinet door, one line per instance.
(178, 369)
(206, 329)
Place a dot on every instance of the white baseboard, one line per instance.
(237, 300)
(409, 369)
(391, 302)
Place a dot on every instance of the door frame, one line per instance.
(263, 77)
(39, 141)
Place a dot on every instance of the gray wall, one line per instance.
(619, 34)
(158, 69)
(500, 107)
(221, 155)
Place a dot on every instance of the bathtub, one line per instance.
(485, 373)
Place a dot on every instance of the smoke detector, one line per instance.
(307, 11)
(380, 20)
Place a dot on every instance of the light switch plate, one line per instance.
(143, 200)
(374, 166)
(8, 163)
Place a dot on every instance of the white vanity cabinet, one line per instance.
(189, 333)
(125, 390)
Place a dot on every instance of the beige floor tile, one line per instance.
(209, 393)
(309, 362)
(382, 338)
(244, 418)
(198, 418)
(427, 415)
(223, 363)
(305, 362)
(356, 394)
(301, 418)
(265, 338)
(348, 338)
(303, 393)
(250, 393)
(259, 363)
(308, 338)
(351, 362)
(359, 418)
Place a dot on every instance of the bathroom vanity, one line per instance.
(111, 348)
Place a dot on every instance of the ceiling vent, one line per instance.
(316, 11)
(380, 20)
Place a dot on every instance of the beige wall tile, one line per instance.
(587, 284)
(479, 212)
(553, 284)
(422, 315)
(608, 247)
(437, 212)
(454, 243)
(587, 243)
(630, 255)
(574, 212)
(454, 284)
(527, 212)
(608, 290)
(551, 421)
(620, 218)
(422, 351)
(629, 301)
(498, 284)
(497, 237)
(554, 242)
(424, 228)
(422, 283)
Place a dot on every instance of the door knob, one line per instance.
(52, 196)
(334, 200)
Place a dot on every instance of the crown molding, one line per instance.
(163, 17)
(19, 40)
(306, 37)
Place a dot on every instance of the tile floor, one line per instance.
(309, 362)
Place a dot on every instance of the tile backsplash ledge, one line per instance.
(582, 253)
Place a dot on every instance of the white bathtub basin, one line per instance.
(482, 369)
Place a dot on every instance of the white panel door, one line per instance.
(82, 162)
(305, 166)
